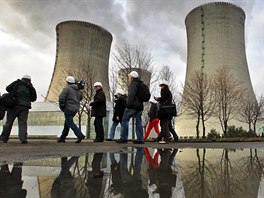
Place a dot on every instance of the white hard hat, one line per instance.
(164, 82)
(98, 84)
(70, 79)
(133, 74)
(120, 91)
(27, 77)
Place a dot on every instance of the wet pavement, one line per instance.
(13, 151)
(47, 169)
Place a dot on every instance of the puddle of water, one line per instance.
(140, 172)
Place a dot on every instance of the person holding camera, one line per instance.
(69, 103)
(25, 93)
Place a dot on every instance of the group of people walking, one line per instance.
(126, 107)
(134, 107)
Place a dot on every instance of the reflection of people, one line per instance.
(117, 186)
(166, 98)
(95, 177)
(166, 179)
(63, 185)
(69, 101)
(153, 165)
(99, 111)
(11, 182)
(134, 107)
(132, 182)
(25, 93)
(119, 108)
(153, 119)
(172, 131)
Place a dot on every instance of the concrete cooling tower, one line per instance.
(80, 45)
(215, 38)
(123, 81)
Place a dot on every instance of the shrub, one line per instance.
(232, 131)
(213, 134)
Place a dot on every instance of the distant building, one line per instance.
(215, 38)
(123, 81)
(80, 44)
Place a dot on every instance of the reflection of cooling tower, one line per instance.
(80, 44)
(123, 77)
(215, 36)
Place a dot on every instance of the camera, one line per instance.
(81, 84)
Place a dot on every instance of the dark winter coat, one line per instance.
(99, 104)
(133, 102)
(166, 96)
(120, 106)
(69, 99)
(24, 91)
(152, 114)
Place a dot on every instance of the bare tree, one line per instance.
(129, 58)
(227, 94)
(248, 110)
(258, 111)
(198, 99)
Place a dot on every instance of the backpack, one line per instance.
(2, 110)
(9, 100)
(143, 92)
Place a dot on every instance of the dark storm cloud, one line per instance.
(157, 25)
(33, 21)
(162, 23)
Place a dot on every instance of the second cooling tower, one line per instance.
(80, 44)
(215, 38)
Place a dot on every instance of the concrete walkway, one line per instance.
(13, 151)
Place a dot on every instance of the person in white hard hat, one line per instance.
(24, 93)
(134, 107)
(153, 119)
(99, 111)
(119, 108)
(166, 98)
(69, 102)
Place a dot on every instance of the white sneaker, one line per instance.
(163, 142)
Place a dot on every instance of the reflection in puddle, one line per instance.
(140, 172)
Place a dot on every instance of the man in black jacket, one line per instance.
(25, 93)
(99, 111)
(134, 107)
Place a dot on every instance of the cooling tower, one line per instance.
(215, 38)
(80, 45)
(123, 81)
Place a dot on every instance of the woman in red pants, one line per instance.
(153, 120)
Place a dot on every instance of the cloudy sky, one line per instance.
(28, 37)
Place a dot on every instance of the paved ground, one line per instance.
(13, 151)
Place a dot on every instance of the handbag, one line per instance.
(167, 111)
(9, 100)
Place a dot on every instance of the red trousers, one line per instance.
(153, 123)
(152, 162)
